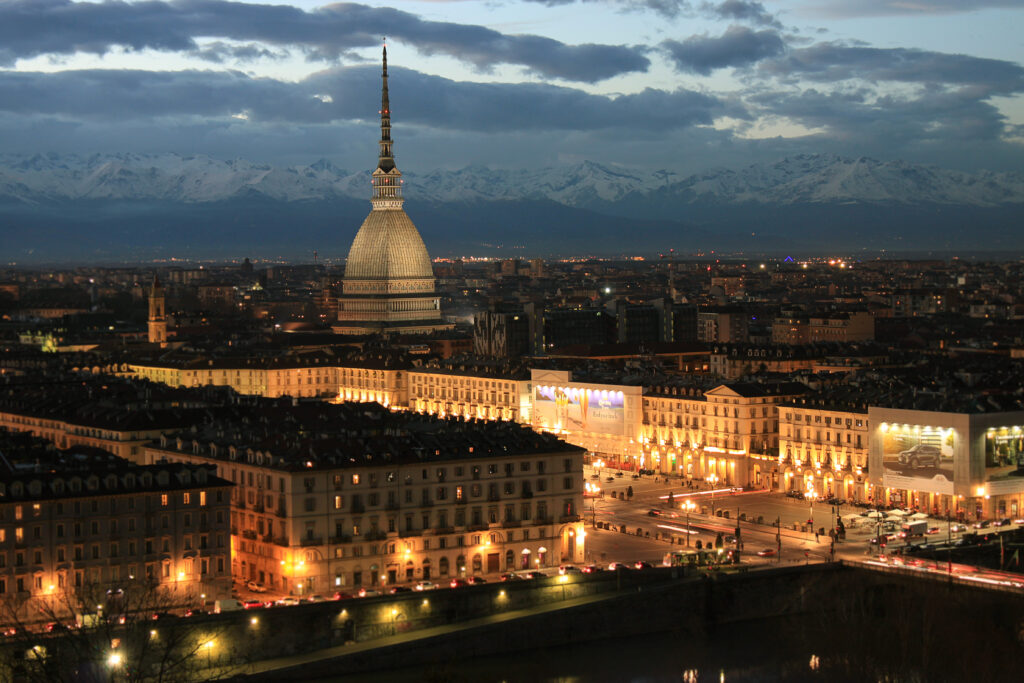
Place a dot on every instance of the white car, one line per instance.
(256, 587)
(287, 602)
(425, 586)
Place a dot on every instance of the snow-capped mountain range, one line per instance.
(804, 179)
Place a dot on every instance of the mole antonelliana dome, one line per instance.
(388, 247)
(388, 285)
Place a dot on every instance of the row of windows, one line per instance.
(95, 551)
(114, 574)
(97, 527)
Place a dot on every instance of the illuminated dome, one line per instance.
(388, 247)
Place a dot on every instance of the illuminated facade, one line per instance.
(157, 325)
(441, 500)
(484, 397)
(823, 447)
(967, 465)
(101, 521)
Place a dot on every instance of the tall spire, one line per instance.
(387, 180)
(387, 162)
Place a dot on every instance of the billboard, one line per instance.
(918, 458)
(579, 410)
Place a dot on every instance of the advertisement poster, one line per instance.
(579, 410)
(918, 458)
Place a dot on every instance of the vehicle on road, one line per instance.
(315, 598)
(1005, 521)
(568, 569)
(195, 612)
(510, 577)
(654, 513)
(535, 575)
(595, 476)
(425, 586)
(592, 569)
(227, 605)
(618, 566)
(340, 595)
(983, 524)
(610, 479)
(932, 530)
(256, 587)
(767, 552)
(368, 593)
(253, 604)
(287, 602)
(920, 455)
(457, 583)
(640, 564)
(399, 589)
(476, 580)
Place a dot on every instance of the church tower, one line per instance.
(389, 282)
(157, 314)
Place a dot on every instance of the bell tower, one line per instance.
(157, 314)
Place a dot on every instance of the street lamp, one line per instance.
(689, 505)
(809, 495)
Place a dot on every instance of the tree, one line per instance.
(96, 633)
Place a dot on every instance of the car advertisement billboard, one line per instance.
(579, 410)
(918, 458)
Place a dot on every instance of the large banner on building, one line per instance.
(579, 410)
(918, 458)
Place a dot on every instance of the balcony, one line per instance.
(337, 540)
(477, 527)
(283, 542)
(410, 532)
(511, 524)
(544, 520)
(376, 536)
(569, 518)
(249, 533)
(442, 530)
(315, 540)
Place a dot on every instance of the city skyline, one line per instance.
(681, 85)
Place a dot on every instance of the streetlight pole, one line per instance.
(713, 478)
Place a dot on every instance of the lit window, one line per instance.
(202, 497)
(163, 500)
(186, 498)
(355, 478)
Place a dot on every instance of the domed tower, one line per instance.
(389, 283)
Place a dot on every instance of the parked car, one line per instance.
(399, 589)
(640, 564)
(610, 479)
(983, 524)
(425, 586)
(256, 587)
(340, 595)
(195, 612)
(287, 602)
(595, 475)
(921, 455)
(1005, 521)
(767, 552)
(315, 598)
(592, 569)
(535, 575)
(568, 569)
(510, 577)
(252, 604)
(368, 592)
(932, 530)
(476, 580)
(618, 566)
(56, 627)
(457, 583)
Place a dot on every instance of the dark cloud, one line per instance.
(832, 62)
(416, 99)
(666, 8)
(29, 28)
(871, 8)
(741, 10)
(738, 46)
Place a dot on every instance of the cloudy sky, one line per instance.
(681, 84)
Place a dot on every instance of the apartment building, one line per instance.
(338, 497)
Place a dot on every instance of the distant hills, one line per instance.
(126, 206)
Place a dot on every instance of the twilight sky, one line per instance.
(681, 84)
